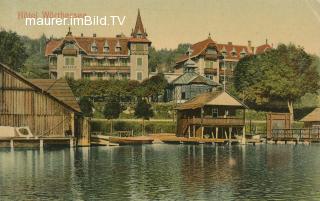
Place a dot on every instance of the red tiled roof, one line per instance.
(139, 40)
(229, 48)
(85, 44)
(197, 48)
(51, 45)
(262, 48)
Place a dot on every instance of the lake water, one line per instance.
(162, 172)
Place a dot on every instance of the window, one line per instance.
(112, 62)
(69, 61)
(100, 76)
(86, 76)
(215, 113)
(94, 47)
(106, 49)
(69, 75)
(139, 47)
(53, 60)
(139, 76)
(183, 95)
(139, 62)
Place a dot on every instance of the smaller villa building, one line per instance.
(189, 84)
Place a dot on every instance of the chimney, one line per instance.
(250, 47)
(94, 35)
(81, 34)
(229, 43)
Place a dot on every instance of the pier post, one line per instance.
(11, 143)
(41, 143)
(71, 142)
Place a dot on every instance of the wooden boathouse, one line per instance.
(47, 107)
(211, 115)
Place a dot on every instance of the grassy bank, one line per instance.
(135, 126)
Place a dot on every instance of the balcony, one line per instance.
(52, 66)
(230, 121)
(109, 69)
(210, 71)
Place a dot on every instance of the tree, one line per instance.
(12, 50)
(112, 110)
(143, 110)
(86, 106)
(285, 73)
(153, 87)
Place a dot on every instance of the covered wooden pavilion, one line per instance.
(211, 115)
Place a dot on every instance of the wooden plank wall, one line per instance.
(22, 104)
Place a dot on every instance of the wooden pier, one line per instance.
(295, 135)
(16, 142)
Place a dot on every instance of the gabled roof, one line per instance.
(192, 77)
(85, 43)
(58, 88)
(262, 48)
(198, 48)
(219, 98)
(40, 89)
(312, 116)
(238, 49)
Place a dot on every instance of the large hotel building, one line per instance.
(123, 57)
(119, 57)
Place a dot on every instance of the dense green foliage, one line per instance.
(36, 65)
(143, 109)
(163, 60)
(283, 74)
(12, 50)
(86, 106)
(112, 109)
(122, 90)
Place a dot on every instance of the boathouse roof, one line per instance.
(59, 91)
(312, 116)
(218, 98)
(58, 88)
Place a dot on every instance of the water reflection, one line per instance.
(162, 172)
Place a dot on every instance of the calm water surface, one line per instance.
(162, 172)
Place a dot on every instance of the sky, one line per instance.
(170, 22)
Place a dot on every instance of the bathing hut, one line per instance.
(312, 119)
(47, 107)
(211, 115)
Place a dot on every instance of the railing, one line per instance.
(296, 134)
(107, 68)
(215, 121)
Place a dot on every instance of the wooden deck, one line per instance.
(295, 135)
(18, 142)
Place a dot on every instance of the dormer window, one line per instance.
(106, 47)
(224, 51)
(118, 47)
(139, 34)
(94, 47)
(243, 53)
(234, 52)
